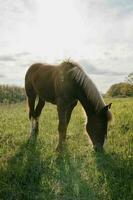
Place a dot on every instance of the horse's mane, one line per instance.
(90, 89)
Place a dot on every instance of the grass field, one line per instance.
(35, 171)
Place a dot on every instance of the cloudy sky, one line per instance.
(96, 33)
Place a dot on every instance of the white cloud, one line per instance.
(96, 30)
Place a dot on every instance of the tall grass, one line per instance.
(33, 170)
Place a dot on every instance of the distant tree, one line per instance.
(129, 78)
(11, 94)
(121, 90)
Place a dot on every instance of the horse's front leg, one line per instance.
(62, 127)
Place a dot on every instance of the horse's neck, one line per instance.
(87, 105)
(90, 99)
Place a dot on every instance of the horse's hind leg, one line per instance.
(38, 110)
(31, 103)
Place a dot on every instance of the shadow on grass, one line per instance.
(21, 178)
(33, 174)
(72, 184)
(116, 174)
(28, 177)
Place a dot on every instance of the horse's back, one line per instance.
(40, 72)
(34, 68)
(50, 81)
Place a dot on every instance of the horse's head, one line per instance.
(97, 127)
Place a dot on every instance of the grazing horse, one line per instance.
(64, 85)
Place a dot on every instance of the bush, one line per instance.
(121, 90)
(11, 94)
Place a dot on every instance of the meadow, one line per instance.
(34, 171)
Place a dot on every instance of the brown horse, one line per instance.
(64, 85)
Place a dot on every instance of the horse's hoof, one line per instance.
(32, 139)
(98, 149)
(34, 132)
(59, 149)
(33, 135)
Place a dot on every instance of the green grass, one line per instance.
(35, 171)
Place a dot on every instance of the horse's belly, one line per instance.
(47, 96)
(51, 100)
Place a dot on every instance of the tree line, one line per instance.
(121, 90)
(124, 89)
(14, 94)
(11, 94)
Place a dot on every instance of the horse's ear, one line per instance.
(109, 105)
(106, 108)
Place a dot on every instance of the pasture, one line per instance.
(34, 171)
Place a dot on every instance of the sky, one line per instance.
(98, 34)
